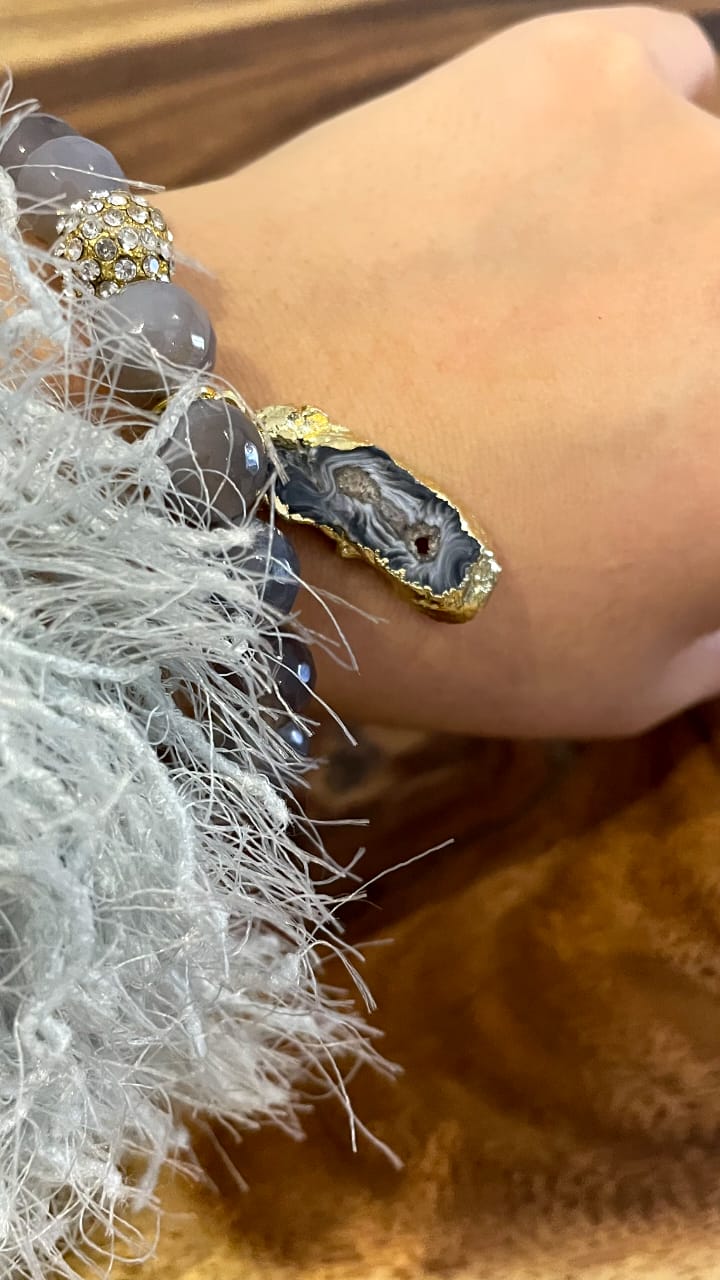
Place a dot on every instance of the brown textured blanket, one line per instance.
(552, 995)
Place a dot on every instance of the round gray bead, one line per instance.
(295, 673)
(274, 561)
(295, 737)
(177, 328)
(217, 460)
(58, 172)
(31, 132)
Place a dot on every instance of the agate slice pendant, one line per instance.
(373, 507)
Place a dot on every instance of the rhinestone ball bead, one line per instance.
(103, 244)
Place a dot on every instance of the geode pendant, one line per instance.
(374, 508)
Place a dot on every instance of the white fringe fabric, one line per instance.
(159, 927)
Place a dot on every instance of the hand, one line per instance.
(505, 273)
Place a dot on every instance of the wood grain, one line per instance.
(236, 79)
(182, 91)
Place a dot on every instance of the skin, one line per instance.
(507, 275)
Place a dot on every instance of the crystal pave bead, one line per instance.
(174, 326)
(58, 173)
(217, 461)
(109, 236)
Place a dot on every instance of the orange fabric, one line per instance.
(552, 994)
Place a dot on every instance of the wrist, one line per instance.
(290, 329)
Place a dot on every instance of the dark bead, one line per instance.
(31, 132)
(295, 674)
(59, 172)
(238, 745)
(176, 326)
(295, 737)
(218, 462)
(274, 561)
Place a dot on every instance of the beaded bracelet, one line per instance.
(74, 196)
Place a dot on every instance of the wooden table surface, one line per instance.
(183, 91)
(234, 76)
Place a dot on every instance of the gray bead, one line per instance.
(31, 132)
(59, 172)
(217, 460)
(295, 673)
(176, 327)
(274, 561)
(295, 737)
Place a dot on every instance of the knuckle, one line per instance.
(595, 55)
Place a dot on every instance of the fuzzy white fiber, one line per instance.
(161, 930)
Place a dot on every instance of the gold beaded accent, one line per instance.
(112, 239)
